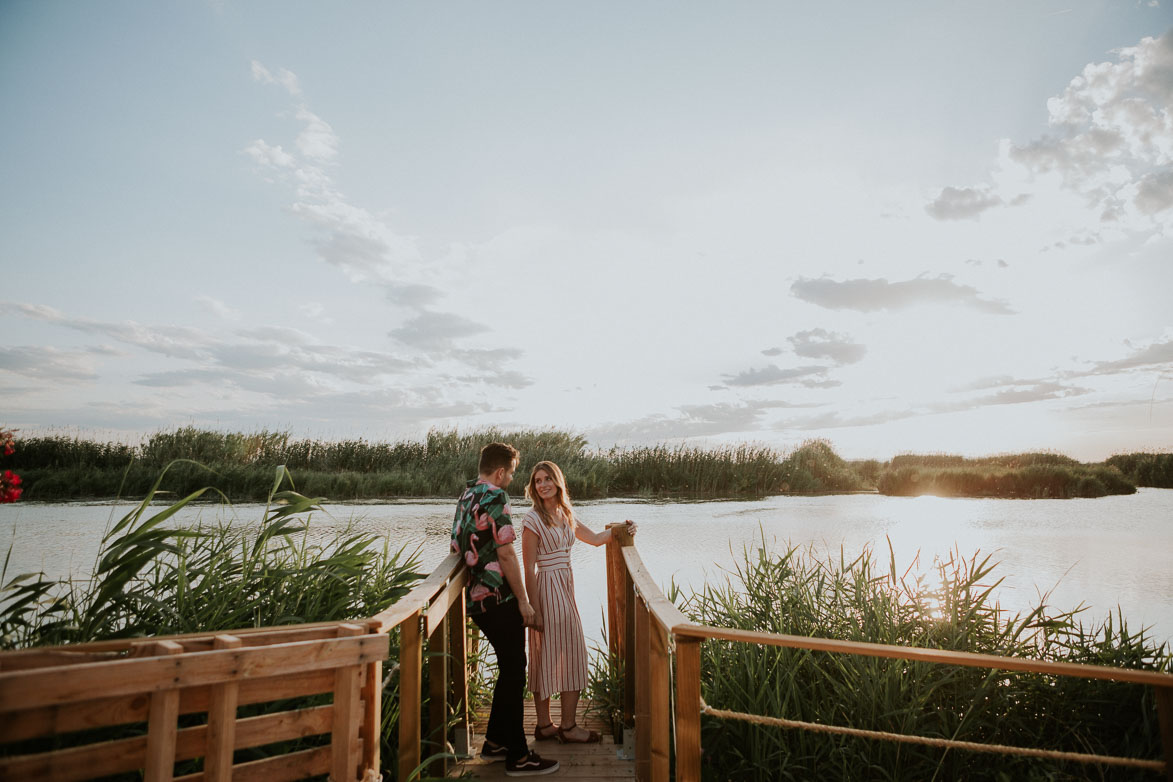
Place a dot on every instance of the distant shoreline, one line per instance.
(244, 467)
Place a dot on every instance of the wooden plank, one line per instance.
(442, 603)
(437, 698)
(629, 672)
(27, 659)
(222, 722)
(282, 768)
(45, 687)
(410, 681)
(162, 725)
(688, 710)
(643, 716)
(458, 675)
(616, 596)
(1164, 697)
(101, 712)
(345, 751)
(968, 659)
(416, 601)
(316, 629)
(372, 716)
(665, 612)
(659, 703)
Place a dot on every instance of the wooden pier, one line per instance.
(581, 762)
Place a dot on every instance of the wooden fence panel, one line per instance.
(688, 710)
(410, 680)
(346, 753)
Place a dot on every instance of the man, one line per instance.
(482, 532)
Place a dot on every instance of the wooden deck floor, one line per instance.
(581, 762)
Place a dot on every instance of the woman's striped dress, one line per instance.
(557, 655)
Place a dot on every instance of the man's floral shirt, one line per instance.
(482, 524)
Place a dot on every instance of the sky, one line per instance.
(900, 226)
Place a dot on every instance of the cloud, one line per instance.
(692, 421)
(774, 375)
(879, 294)
(436, 330)
(772, 352)
(819, 343)
(47, 363)
(1111, 136)
(218, 308)
(285, 78)
(962, 203)
(1154, 193)
(317, 139)
(1158, 355)
(362, 244)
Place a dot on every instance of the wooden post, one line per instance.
(458, 675)
(162, 726)
(643, 732)
(1165, 717)
(372, 717)
(688, 709)
(438, 697)
(629, 665)
(344, 746)
(221, 721)
(659, 705)
(410, 680)
(616, 592)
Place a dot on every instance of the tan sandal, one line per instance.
(539, 736)
(593, 736)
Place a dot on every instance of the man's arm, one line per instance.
(512, 572)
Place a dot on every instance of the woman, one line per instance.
(557, 650)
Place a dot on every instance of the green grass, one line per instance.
(797, 593)
(1019, 476)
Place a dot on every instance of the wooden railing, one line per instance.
(109, 689)
(645, 631)
(119, 685)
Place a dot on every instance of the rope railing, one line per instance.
(930, 741)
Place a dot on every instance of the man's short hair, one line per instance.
(494, 456)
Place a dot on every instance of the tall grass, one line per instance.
(1022, 476)
(155, 578)
(797, 593)
(1145, 469)
(55, 468)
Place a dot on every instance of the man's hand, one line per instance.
(529, 617)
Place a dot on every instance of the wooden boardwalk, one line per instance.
(581, 762)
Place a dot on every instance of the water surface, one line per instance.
(1101, 553)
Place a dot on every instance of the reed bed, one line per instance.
(155, 578)
(58, 468)
(795, 592)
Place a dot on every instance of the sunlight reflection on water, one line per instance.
(1102, 553)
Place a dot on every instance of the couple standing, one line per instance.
(503, 602)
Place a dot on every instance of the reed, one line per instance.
(798, 593)
(153, 577)
(1145, 469)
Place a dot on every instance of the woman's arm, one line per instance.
(529, 558)
(584, 533)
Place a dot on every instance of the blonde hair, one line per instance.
(561, 499)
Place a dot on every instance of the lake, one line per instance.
(1102, 553)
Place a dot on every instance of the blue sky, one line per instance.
(900, 226)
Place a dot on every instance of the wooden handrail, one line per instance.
(925, 654)
(419, 598)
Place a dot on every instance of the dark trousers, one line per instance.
(502, 625)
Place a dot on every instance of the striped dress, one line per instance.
(557, 655)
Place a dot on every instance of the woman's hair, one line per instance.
(561, 499)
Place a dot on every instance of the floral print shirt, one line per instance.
(482, 524)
